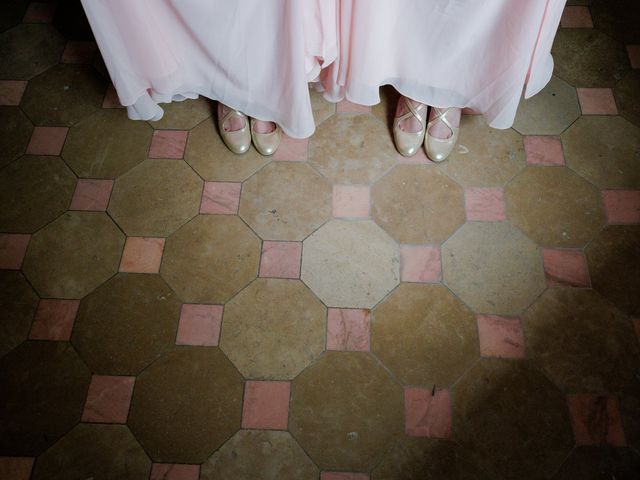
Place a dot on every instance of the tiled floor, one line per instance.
(173, 311)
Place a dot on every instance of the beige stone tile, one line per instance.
(27, 50)
(357, 411)
(273, 329)
(592, 463)
(155, 198)
(493, 267)
(322, 109)
(409, 335)
(33, 192)
(485, 156)
(18, 302)
(626, 96)
(605, 150)
(352, 149)
(186, 404)
(513, 420)
(550, 111)
(555, 207)
(408, 203)
(184, 115)
(350, 263)
(260, 454)
(285, 201)
(210, 259)
(213, 161)
(14, 135)
(73, 255)
(107, 144)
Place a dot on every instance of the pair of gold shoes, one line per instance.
(408, 143)
(239, 141)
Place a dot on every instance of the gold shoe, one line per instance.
(408, 143)
(266, 143)
(238, 141)
(438, 149)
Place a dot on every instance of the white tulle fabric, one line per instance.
(258, 56)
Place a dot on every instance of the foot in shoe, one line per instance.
(410, 124)
(234, 123)
(439, 129)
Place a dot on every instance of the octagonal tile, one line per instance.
(427, 458)
(210, 259)
(550, 111)
(184, 115)
(285, 201)
(619, 19)
(126, 323)
(492, 156)
(37, 379)
(493, 267)
(322, 109)
(15, 134)
(586, 57)
(155, 198)
(614, 266)
(409, 201)
(424, 335)
(260, 454)
(350, 263)
(555, 207)
(106, 144)
(34, 191)
(27, 50)
(63, 95)
(583, 343)
(626, 97)
(605, 150)
(592, 463)
(512, 418)
(273, 329)
(18, 303)
(186, 404)
(94, 451)
(213, 161)
(73, 255)
(346, 411)
(352, 149)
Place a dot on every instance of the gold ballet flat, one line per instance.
(266, 143)
(238, 141)
(438, 149)
(408, 143)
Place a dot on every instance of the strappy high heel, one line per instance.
(238, 141)
(408, 143)
(266, 143)
(438, 149)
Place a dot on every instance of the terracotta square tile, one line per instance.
(220, 198)
(543, 150)
(12, 250)
(427, 415)
(111, 99)
(634, 55)
(420, 263)
(280, 259)
(16, 468)
(108, 399)
(39, 12)
(343, 476)
(54, 319)
(11, 91)
(576, 17)
(170, 471)
(351, 201)
(168, 143)
(292, 149)
(47, 140)
(142, 255)
(420, 158)
(266, 405)
(199, 325)
(345, 106)
(622, 206)
(566, 267)
(596, 420)
(79, 51)
(500, 337)
(91, 194)
(348, 329)
(485, 204)
(597, 101)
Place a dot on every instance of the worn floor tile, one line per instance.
(266, 405)
(597, 101)
(126, 323)
(13, 247)
(142, 255)
(351, 264)
(576, 17)
(593, 463)
(292, 150)
(54, 320)
(500, 337)
(349, 329)
(285, 201)
(626, 97)
(199, 325)
(47, 140)
(566, 267)
(220, 198)
(168, 144)
(108, 399)
(543, 150)
(618, 19)
(184, 115)
(622, 206)
(351, 201)
(485, 204)
(16, 468)
(420, 263)
(15, 134)
(281, 259)
(175, 427)
(18, 302)
(27, 50)
(273, 329)
(91, 194)
(174, 471)
(427, 412)
(346, 411)
(596, 420)
(322, 109)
